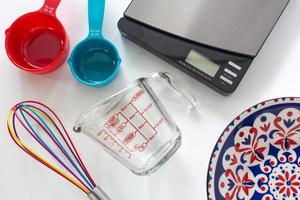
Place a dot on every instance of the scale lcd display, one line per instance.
(202, 63)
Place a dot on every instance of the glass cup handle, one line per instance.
(185, 97)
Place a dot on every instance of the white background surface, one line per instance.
(274, 73)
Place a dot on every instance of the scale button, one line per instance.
(223, 78)
(232, 64)
(228, 71)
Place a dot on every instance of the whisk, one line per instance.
(44, 127)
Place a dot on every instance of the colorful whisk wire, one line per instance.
(28, 115)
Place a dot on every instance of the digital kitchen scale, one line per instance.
(214, 41)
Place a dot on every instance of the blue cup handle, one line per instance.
(96, 15)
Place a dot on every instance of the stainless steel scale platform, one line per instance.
(214, 41)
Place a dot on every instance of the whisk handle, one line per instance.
(98, 194)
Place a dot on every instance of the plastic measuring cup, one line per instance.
(133, 125)
(95, 61)
(37, 42)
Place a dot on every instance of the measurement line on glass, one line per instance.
(104, 136)
(123, 131)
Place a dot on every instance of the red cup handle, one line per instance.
(50, 7)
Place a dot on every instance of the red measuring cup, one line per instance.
(37, 42)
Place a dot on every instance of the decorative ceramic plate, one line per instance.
(258, 155)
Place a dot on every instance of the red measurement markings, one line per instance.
(126, 139)
(132, 116)
(121, 128)
(151, 137)
(159, 123)
(137, 95)
(133, 125)
(119, 141)
(141, 126)
(142, 114)
(142, 147)
(112, 122)
(106, 137)
(148, 107)
(129, 138)
(124, 107)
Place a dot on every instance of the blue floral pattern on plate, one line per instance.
(258, 155)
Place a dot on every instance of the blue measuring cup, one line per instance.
(95, 61)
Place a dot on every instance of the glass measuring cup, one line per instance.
(133, 125)
(95, 61)
(37, 42)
